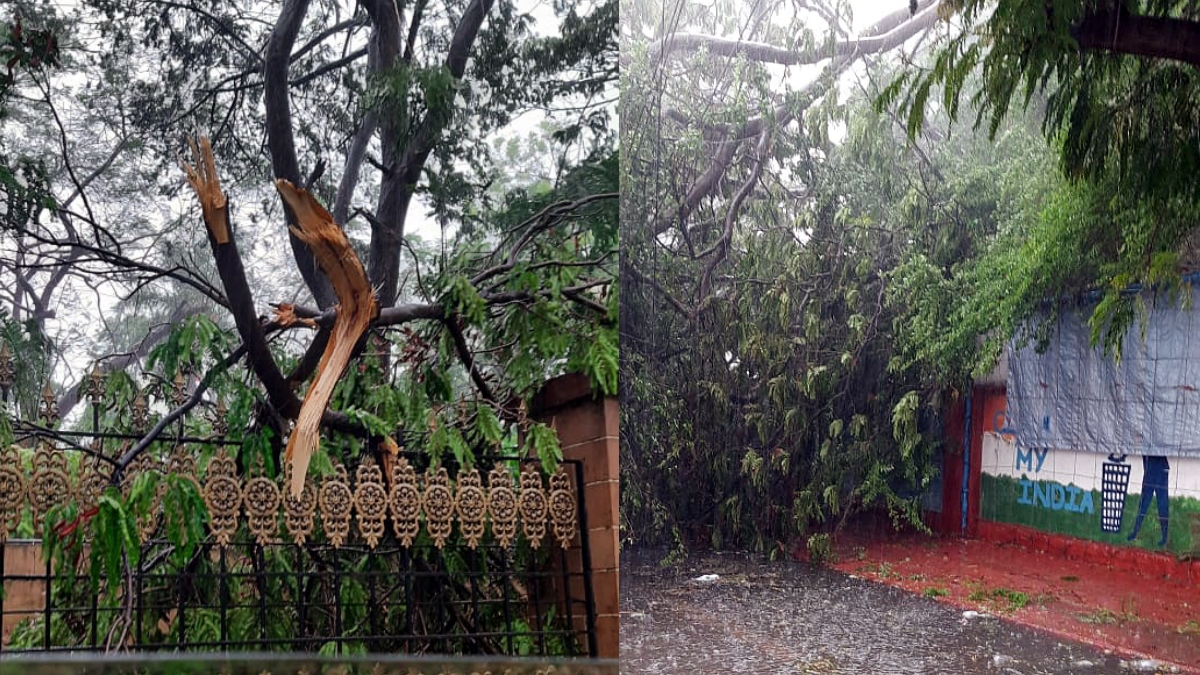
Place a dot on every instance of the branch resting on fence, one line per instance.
(138, 448)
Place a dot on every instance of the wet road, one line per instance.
(795, 618)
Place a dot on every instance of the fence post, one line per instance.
(587, 427)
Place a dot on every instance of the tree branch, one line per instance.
(1116, 30)
(280, 140)
(355, 155)
(205, 182)
(885, 34)
(468, 359)
(70, 398)
(328, 67)
(138, 448)
(401, 177)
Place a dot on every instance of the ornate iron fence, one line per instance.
(420, 559)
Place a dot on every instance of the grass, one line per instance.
(1100, 616)
(1192, 627)
(1127, 614)
(883, 570)
(1007, 599)
(934, 592)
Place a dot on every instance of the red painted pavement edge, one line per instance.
(1128, 559)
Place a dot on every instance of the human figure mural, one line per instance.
(1086, 494)
(1155, 469)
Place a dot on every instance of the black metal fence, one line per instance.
(409, 558)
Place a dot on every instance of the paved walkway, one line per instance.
(1153, 611)
(737, 613)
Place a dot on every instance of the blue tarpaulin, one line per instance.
(1076, 397)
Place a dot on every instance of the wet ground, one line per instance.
(1147, 604)
(793, 617)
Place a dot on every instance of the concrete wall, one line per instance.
(1059, 491)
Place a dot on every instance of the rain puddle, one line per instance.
(758, 617)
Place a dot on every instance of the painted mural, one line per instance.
(1150, 501)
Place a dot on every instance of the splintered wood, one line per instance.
(356, 310)
(203, 179)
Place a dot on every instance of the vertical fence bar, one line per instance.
(442, 602)
(3, 576)
(181, 614)
(372, 602)
(137, 576)
(585, 553)
(539, 628)
(475, 569)
(568, 599)
(337, 602)
(223, 583)
(49, 597)
(95, 628)
(95, 396)
(260, 564)
(301, 599)
(505, 584)
(409, 598)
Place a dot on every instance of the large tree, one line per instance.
(377, 111)
(756, 335)
(1115, 85)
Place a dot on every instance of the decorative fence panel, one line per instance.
(409, 559)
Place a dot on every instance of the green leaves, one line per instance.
(193, 345)
(114, 537)
(465, 300)
(543, 443)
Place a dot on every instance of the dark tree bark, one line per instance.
(1118, 31)
(402, 169)
(280, 140)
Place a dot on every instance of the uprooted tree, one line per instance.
(756, 338)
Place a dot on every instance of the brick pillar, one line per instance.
(23, 598)
(587, 427)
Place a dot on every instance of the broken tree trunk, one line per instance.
(356, 309)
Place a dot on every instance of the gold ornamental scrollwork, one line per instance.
(298, 513)
(336, 500)
(222, 496)
(439, 506)
(370, 502)
(140, 412)
(49, 483)
(182, 463)
(404, 500)
(93, 478)
(261, 498)
(502, 505)
(533, 507)
(148, 523)
(12, 490)
(471, 506)
(563, 509)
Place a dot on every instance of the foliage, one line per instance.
(1123, 128)
(758, 405)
